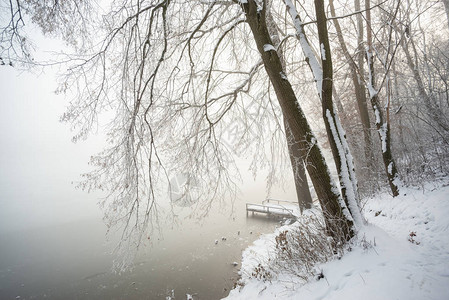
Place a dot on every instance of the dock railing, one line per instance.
(272, 200)
(260, 208)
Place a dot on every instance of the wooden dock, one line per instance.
(273, 207)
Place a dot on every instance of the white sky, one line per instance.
(38, 161)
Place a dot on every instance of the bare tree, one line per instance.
(294, 149)
(174, 78)
(432, 108)
(333, 206)
(55, 18)
(446, 7)
(13, 42)
(382, 123)
(356, 69)
(323, 75)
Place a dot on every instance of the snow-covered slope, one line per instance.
(409, 257)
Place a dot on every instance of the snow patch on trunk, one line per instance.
(383, 137)
(268, 48)
(377, 114)
(390, 168)
(349, 159)
(283, 76)
(344, 175)
(370, 85)
(323, 52)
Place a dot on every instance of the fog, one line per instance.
(38, 160)
(52, 238)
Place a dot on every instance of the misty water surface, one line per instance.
(73, 260)
(52, 238)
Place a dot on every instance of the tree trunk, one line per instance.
(335, 133)
(338, 219)
(383, 127)
(356, 68)
(299, 172)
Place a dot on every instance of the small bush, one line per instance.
(297, 250)
(305, 245)
(262, 274)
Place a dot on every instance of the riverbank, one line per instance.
(402, 253)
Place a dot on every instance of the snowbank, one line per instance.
(402, 254)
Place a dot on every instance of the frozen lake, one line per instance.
(72, 260)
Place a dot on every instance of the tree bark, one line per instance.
(299, 172)
(335, 133)
(338, 219)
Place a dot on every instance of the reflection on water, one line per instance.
(72, 261)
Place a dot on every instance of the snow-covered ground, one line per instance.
(408, 256)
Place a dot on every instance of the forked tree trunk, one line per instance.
(338, 219)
